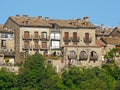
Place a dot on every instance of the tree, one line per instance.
(111, 54)
(38, 75)
(7, 80)
(77, 78)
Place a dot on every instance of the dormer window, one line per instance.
(53, 26)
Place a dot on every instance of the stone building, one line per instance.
(74, 39)
(6, 44)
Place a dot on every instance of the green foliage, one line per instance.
(38, 75)
(7, 80)
(87, 79)
(111, 54)
(35, 74)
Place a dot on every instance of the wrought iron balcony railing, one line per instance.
(87, 40)
(66, 39)
(75, 39)
(27, 37)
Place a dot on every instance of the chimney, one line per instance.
(46, 18)
(39, 17)
(17, 15)
(25, 15)
(86, 19)
(78, 20)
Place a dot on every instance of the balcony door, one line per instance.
(44, 44)
(26, 44)
(36, 44)
(35, 34)
(66, 35)
(75, 35)
(87, 36)
(26, 34)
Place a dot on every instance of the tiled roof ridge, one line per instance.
(39, 21)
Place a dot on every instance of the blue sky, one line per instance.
(99, 11)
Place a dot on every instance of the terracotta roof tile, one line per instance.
(30, 21)
(2, 30)
(100, 43)
(37, 21)
(111, 40)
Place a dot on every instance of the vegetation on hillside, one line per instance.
(35, 74)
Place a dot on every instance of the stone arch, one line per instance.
(83, 55)
(72, 55)
(72, 52)
(93, 55)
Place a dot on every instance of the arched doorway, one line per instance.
(83, 55)
(93, 56)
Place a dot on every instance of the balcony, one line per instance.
(66, 39)
(83, 57)
(72, 57)
(27, 37)
(36, 37)
(44, 38)
(37, 47)
(87, 40)
(7, 53)
(26, 47)
(55, 30)
(44, 48)
(95, 57)
(75, 39)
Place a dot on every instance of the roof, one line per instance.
(103, 32)
(100, 43)
(115, 32)
(46, 22)
(111, 40)
(29, 21)
(3, 30)
(72, 23)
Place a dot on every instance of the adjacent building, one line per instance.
(6, 44)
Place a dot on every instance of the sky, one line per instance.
(106, 12)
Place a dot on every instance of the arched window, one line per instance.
(72, 52)
(72, 55)
(83, 55)
(93, 55)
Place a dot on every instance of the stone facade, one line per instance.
(77, 39)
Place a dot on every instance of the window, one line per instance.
(72, 52)
(55, 35)
(66, 35)
(53, 26)
(26, 44)
(44, 44)
(36, 44)
(83, 55)
(93, 54)
(44, 35)
(87, 36)
(26, 34)
(35, 34)
(4, 35)
(75, 35)
(3, 43)
(55, 44)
